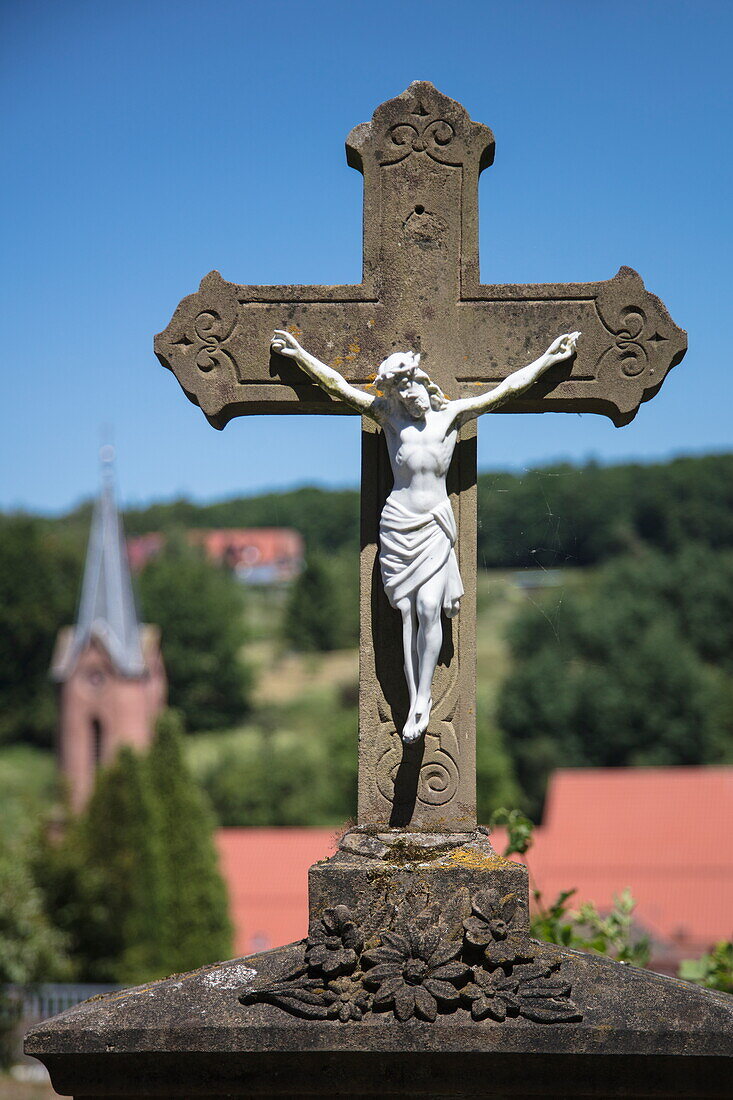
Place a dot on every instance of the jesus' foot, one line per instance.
(417, 722)
(410, 732)
(422, 715)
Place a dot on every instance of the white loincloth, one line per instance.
(414, 546)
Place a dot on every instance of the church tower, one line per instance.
(109, 666)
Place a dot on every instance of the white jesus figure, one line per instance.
(417, 529)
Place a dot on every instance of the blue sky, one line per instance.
(146, 143)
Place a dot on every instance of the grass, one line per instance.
(28, 783)
(284, 677)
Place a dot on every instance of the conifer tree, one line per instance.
(196, 928)
(199, 608)
(123, 875)
(135, 885)
(313, 616)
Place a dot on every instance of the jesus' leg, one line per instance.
(428, 605)
(406, 608)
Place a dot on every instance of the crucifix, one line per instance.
(420, 296)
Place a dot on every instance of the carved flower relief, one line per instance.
(417, 970)
(491, 994)
(532, 991)
(490, 927)
(351, 1001)
(414, 973)
(341, 999)
(334, 943)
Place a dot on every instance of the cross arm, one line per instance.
(218, 346)
(629, 344)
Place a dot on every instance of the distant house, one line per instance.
(108, 666)
(257, 555)
(666, 833)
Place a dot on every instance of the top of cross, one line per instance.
(421, 156)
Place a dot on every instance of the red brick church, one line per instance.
(109, 668)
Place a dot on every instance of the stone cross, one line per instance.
(421, 156)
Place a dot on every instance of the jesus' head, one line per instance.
(401, 379)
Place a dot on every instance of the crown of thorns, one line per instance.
(407, 363)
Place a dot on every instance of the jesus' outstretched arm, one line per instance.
(470, 407)
(284, 343)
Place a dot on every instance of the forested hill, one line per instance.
(555, 515)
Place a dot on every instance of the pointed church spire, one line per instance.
(107, 607)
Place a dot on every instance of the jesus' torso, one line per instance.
(420, 453)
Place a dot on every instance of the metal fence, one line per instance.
(22, 1006)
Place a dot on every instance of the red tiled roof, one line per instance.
(667, 833)
(246, 547)
(142, 548)
(250, 545)
(266, 871)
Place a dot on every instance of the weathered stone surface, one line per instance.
(417, 884)
(384, 845)
(640, 1035)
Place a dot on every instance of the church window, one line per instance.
(97, 742)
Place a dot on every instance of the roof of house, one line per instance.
(107, 609)
(262, 544)
(266, 871)
(248, 547)
(666, 833)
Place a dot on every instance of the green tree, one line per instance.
(128, 891)
(105, 880)
(616, 673)
(39, 579)
(199, 608)
(252, 778)
(314, 612)
(196, 927)
(495, 782)
(561, 515)
(134, 884)
(31, 948)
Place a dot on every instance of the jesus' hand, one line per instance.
(562, 348)
(284, 343)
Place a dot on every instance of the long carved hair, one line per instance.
(402, 364)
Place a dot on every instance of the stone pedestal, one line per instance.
(415, 877)
(418, 978)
